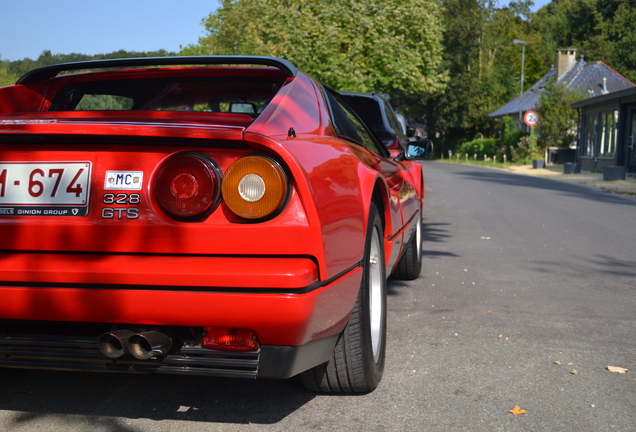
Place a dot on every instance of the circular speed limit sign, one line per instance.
(531, 118)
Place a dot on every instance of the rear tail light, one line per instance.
(229, 339)
(187, 186)
(255, 187)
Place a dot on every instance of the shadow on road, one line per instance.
(570, 189)
(601, 266)
(435, 233)
(431, 233)
(100, 398)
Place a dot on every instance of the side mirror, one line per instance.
(418, 150)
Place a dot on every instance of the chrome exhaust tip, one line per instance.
(114, 344)
(149, 344)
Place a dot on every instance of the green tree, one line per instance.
(619, 30)
(390, 46)
(20, 67)
(558, 122)
(484, 65)
(6, 78)
(568, 23)
(600, 30)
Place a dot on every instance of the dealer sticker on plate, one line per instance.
(124, 180)
(44, 188)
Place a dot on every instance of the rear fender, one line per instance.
(305, 188)
(418, 179)
(296, 106)
(374, 188)
(22, 98)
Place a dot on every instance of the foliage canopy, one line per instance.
(484, 65)
(600, 30)
(558, 121)
(390, 45)
(11, 71)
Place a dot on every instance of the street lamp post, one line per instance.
(523, 61)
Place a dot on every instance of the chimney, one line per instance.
(566, 57)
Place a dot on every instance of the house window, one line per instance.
(608, 126)
(600, 131)
(589, 143)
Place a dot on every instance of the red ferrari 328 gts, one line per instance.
(229, 218)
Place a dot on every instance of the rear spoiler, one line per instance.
(47, 72)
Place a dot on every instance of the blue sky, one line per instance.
(28, 27)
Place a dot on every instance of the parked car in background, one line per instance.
(379, 116)
(231, 218)
(415, 133)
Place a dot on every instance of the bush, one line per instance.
(558, 124)
(484, 146)
(511, 136)
(526, 150)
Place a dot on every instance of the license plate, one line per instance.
(44, 188)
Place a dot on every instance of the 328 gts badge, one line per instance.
(121, 212)
(122, 198)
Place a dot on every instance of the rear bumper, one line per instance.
(297, 319)
(280, 317)
(82, 354)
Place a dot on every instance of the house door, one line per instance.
(631, 140)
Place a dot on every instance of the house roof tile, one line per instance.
(587, 77)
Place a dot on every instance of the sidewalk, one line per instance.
(625, 187)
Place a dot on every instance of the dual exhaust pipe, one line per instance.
(141, 345)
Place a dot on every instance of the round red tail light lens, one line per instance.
(187, 186)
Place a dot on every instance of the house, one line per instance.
(607, 133)
(595, 79)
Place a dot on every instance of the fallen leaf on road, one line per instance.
(516, 410)
(617, 369)
(557, 363)
(574, 372)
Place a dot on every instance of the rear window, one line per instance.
(218, 95)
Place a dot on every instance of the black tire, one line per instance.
(357, 362)
(410, 265)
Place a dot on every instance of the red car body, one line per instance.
(88, 246)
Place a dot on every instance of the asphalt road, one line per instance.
(520, 273)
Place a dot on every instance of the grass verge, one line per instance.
(489, 163)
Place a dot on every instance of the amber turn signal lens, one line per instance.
(187, 186)
(255, 187)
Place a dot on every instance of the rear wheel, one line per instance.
(410, 265)
(357, 362)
